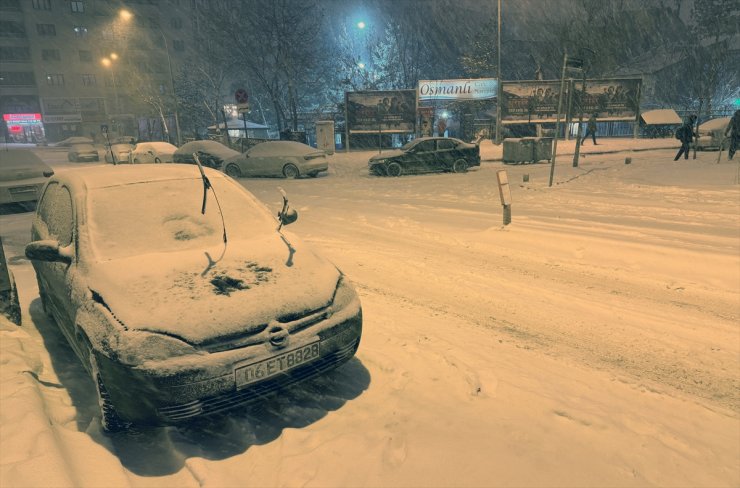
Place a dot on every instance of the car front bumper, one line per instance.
(179, 389)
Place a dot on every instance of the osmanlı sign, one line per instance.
(466, 89)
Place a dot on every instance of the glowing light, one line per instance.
(361, 65)
(125, 14)
(105, 62)
(361, 25)
(113, 56)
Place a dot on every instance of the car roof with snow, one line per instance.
(119, 175)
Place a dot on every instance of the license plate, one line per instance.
(268, 368)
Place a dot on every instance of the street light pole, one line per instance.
(172, 82)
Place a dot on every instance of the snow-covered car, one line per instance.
(210, 153)
(426, 154)
(118, 152)
(286, 159)
(83, 152)
(172, 318)
(712, 133)
(152, 152)
(22, 175)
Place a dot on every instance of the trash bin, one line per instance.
(542, 148)
(518, 150)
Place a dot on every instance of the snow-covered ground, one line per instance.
(594, 341)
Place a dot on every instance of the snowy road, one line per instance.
(592, 342)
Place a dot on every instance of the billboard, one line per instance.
(381, 111)
(537, 101)
(465, 89)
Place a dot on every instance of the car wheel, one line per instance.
(109, 418)
(233, 171)
(460, 166)
(157, 160)
(136, 161)
(313, 174)
(394, 169)
(290, 171)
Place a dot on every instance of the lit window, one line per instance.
(80, 30)
(55, 79)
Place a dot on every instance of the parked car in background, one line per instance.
(166, 332)
(712, 133)
(120, 150)
(287, 159)
(426, 154)
(83, 152)
(22, 175)
(211, 153)
(152, 152)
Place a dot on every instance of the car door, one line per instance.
(447, 153)
(422, 156)
(54, 220)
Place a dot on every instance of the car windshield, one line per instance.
(409, 145)
(164, 216)
(279, 148)
(209, 148)
(82, 147)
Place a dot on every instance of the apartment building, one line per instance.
(76, 68)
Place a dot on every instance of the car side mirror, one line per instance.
(49, 251)
(289, 216)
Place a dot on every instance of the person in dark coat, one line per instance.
(685, 134)
(733, 133)
(590, 129)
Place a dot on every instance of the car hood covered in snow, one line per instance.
(186, 295)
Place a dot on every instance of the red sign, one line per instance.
(241, 96)
(21, 117)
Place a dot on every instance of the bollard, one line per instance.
(507, 214)
(628, 160)
(525, 178)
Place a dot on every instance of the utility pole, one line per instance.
(580, 122)
(557, 120)
(500, 89)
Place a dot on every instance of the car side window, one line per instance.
(425, 146)
(55, 211)
(444, 144)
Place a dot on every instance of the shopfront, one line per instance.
(24, 128)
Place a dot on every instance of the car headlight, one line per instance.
(344, 295)
(138, 347)
(377, 161)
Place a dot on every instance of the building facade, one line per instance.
(78, 68)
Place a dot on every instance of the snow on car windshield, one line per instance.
(279, 148)
(165, 216)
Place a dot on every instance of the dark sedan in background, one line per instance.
(425, 155)
(211, 153)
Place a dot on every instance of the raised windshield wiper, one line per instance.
(207, 186)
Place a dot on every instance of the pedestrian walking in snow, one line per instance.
(685, 134)
(733, 133)
(590, 129)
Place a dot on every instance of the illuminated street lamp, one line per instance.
(108, 63)
(361, 25)
(126, 15)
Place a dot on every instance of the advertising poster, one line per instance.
(537, 101)
(381, 111)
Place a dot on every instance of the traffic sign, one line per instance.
(241, 96)
(242, 107)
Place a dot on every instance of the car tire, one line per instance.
(109, 419)
(460, 166)
(136, 161)
(394, 169)
(157, 160)
(233, 171)
(313, 174)
(290, 171)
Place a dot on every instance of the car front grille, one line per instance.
(258, 391)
